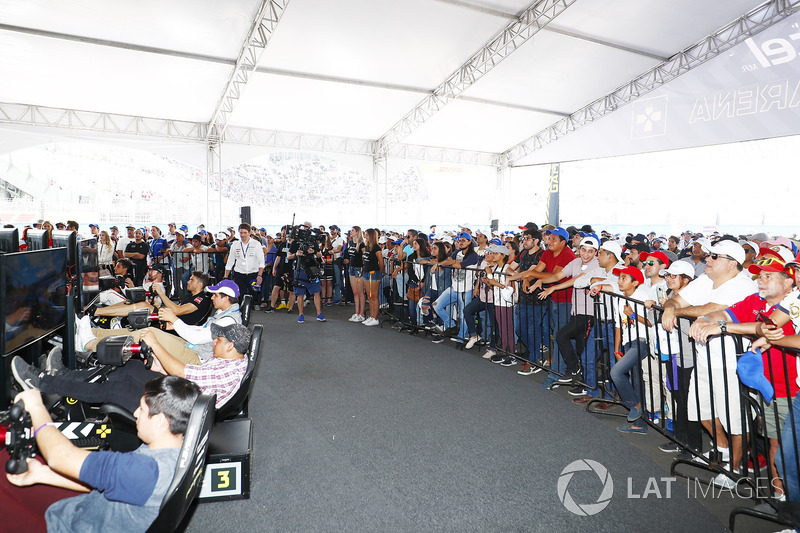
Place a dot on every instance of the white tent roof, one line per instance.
(344, 68)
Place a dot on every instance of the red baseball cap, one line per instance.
(661, 256)
(633, 272)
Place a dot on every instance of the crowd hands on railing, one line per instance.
(652, 323)
(659, 320)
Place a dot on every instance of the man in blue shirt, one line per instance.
(125, 490)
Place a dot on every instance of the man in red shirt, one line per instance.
(556, 257)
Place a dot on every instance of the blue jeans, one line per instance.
(601, 329)
(337, 279)
(460, 299)
(489, 329)
(559, 315)
(787, 457)
(534, 328)
(630, 390)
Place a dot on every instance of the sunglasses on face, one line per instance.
(649, 263)
(718, 256)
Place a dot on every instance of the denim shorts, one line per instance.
(372, 276)
(355, 272)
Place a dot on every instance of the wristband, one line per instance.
(633, 316)
(42, 427)
(618, 353)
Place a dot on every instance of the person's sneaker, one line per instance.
(438, 329)
(670, 447)
(83, 333)
(497, 358)
(632, 429)
(571, 377)
(26, 375)
(353, 318)
(437, 339)
(321, 317)
(384, 306)
(470, 343)
(262, 306)
(577, 391)
(336, 302)
(526, 370)
(724, 453)
(301, 319)
(725, 482)
(489, 354)
(509, 361)
(269, 310)
(55, 363)
(370, 322)
(282, 306)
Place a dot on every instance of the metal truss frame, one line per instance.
(514, 35)
(264, 24)
(718, 42)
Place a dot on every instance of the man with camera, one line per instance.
(246, 261)
(305, 251)
(124, 489)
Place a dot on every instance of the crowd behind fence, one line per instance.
(688, 391)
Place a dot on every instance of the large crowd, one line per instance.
(671, 307)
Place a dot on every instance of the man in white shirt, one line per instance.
(246, 261)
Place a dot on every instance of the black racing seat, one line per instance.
(244, 308)
(238, 403)
(188, 478)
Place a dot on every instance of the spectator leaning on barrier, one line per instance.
(575, 329)
(722, 285)
(464, 262)
(532, 310)
(775, 283)
(656, 285)
(630, 345)
(554, 259)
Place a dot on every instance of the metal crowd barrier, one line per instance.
(673, 377)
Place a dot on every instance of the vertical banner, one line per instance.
(552, 194)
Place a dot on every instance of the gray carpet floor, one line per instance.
(367, 429)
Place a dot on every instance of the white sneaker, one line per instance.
(359, 318)
(489, 354)
(723, 481)
(353, 318)
(471, 342)
(83, 333)
(370, 322)
(725, 452)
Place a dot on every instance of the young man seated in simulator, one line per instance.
(125, 490)
(192, 308)
(221, 374)
(194, 343)
(124, 268)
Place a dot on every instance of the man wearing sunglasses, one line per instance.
(775, 284)
(721, 286)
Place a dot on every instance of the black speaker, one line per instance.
(244, 214)
(495, 224)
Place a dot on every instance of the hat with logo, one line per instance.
(633, 272)
(678, 268)
(238, 334)
(561, 232)
(225, 286)
(464, 235)
(590, 241)
(750, 368)
(731, 249)
(661, 256)
(497, 249)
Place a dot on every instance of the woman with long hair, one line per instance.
(417, 275)
(439, 280)
(355, 249)
(105, 251)
(464, 263)
(372, 272)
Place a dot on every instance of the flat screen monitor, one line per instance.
(9, 240)
(33, 296)
(67, 239)
(37, 239)
(89, 271)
